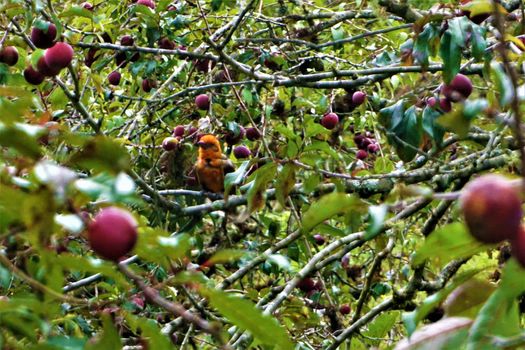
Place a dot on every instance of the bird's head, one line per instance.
(209, 143)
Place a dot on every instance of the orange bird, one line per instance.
(212, 164)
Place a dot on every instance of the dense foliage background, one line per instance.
(321, 241)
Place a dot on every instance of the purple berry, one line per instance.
(252, 134)
(241, 152)
(179, 130)
(361, 154)
(330, 121)
(358, 98)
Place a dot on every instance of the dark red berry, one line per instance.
(361, 154)
(113, 233)
(252, 134)
(330, 120)
(114, 78)
(241, 152)
(44, 39)
(358, 98)
(9, 55)
(32, 76)
(202, 102)
(179, 130)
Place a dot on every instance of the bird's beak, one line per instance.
(201, 144)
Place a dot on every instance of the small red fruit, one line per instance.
(90, 57)
(9, 55)
(166, 44)
(241, 152)
(252, 134)
(148, 3)
(492, 208)
(148, 84)
(204, 65)
(233, 138)
(44, 69)
(44, 39)
(306, 284)
(345, 309)
(358, 98)
(202, 102)
(373, 148)
(113, 233)
(88, 6)
(445, 105)
(431, 102)
(179, 130)
(330, 120)
(361, 154)
(127, 40)
(32, 76)
(319, 239)
(114, 77)
(459, 88)
(59, 56)
(170, 143)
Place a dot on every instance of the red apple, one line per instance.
(459, 88)
(358, 98)
(148, 3)
(167, 44)
(127, 40)
(252, 134)
(179, 130)
(59, 56)
(361, 154)
(32, 76)
(202, 101)
(241, 152)
(170, 143)
(491, 206)
(113, 233)
(345, 309)
(330, 120)
(148, 84)
(114, 78)
(44, 39)
(43, 68)
(9, 55)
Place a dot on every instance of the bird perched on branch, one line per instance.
(212, 164)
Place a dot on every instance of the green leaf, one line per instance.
(109, 339)
(459, 120)
(102, 153)
(256, 194)
(77, 11)
(18, 138)
(452, 241)
(500, 314)
(413, 318)
(225, 256)
(285, 183)
(377, 215)
(245, 315)
(452, 43)
(381, 325)
(478, 41)
(235, 178)
(328, 206)
(423, 46)
(404, 129)
(430, 126)
(503, 84)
